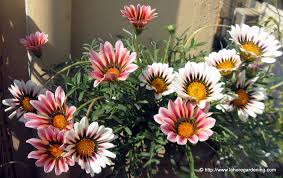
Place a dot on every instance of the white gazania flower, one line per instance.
(22, 93)
(88, 145)
(247, 99)
(158, 77)
(225, 60)
(255, 42)
(198, 82)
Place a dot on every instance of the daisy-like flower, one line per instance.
(226, 61)
(50, 152)
(247, 99)
(88, 144)
(184, 121)
(35, 42)
(51, 110)
(158, 77)
(139, 16)
(22, 93)
(110, 65)
(198, 82)
(255, 42)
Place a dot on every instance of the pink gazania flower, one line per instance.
(184, 121)
(52, 110)
(88, 145)
(35, 42)
(139, 16)
(50, 152)
(158, 77)
(110, 65)
(22, 93)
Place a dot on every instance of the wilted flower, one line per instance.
(255, 42)
(34, 42)
(22, 93)
(226, 61)
(247, 99)
(198, 82)
(139, 16)
(110, 65)
(158, 77)
(50, 151)
(184, 121)
(89, 144)
(52, 110)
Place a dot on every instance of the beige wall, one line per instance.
(69, 24)
(13, 65)
(99, 18)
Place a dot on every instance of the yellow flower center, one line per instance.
(252, 48)
(55, 151)
(159, 84)
(60, 122)
(26, 104)
(114, 72)
(227, 66)
(186, 129)
(197, 90)
(85, 147)
(243, 98)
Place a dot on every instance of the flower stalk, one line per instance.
(136, 41)
(171, 29)
(167, 49)
(191, 162)
(91, 105)
(64, 69)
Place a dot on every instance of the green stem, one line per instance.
(229, 131)
(191, 162)
(137, 46)
(91, 105)
(64, 69)
(276, 85)
(167, 49)
(200, 29)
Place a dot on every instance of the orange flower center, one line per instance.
(197, 90)
(26, 104)
(60, 122)
(227, 66)
(186, 129)
(159, 84)
(243, 98)
(113, 72)
(55, 151)
(252, 48)
(85, 147)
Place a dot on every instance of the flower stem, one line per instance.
(191, 162)
(200, 29)
(276, 85)
(91, 105)
(167, 49)
(64, 69)
(137, 46)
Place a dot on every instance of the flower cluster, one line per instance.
(191, 92)
(61, 143)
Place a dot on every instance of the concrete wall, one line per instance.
(97, 18)
(13, 64)
(69, 24)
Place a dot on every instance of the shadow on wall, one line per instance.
(14, 64)
(39, 67)
(93, 19)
